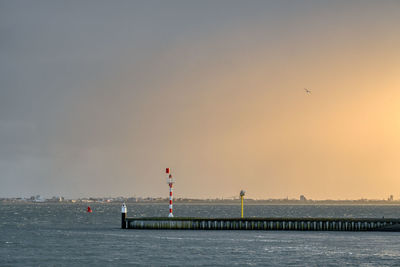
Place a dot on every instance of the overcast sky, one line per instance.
(98, 97)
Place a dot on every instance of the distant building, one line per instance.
(390, 198)
(303, 198)
(56, 199)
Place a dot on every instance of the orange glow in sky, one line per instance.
(215, 92)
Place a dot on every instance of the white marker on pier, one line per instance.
(123, 216)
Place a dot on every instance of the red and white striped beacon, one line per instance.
(170, 182)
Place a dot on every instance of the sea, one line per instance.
(64, 234)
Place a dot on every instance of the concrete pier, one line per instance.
(286, 224)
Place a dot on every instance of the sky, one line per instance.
(97, 98)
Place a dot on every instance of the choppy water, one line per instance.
(65, 235)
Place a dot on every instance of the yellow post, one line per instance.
(241, 201)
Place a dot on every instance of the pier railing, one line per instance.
(289, 224)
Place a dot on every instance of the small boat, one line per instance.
(89, 209)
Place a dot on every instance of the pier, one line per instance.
(269, 224)
(254, 223)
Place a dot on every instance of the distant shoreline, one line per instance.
(199, 201)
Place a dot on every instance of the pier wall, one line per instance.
(288, 224)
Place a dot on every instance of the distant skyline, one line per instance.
(97, 98)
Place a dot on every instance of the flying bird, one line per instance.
(307, 91)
